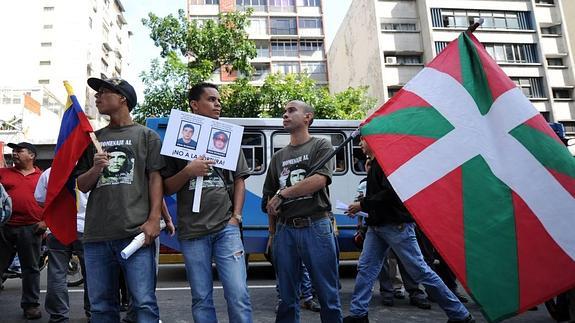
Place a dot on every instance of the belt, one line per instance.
(301, 221)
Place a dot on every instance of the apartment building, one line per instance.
(49, 41)
(288, 34)
(384, 43)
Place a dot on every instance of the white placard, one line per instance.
(216, 140)
(189, 136)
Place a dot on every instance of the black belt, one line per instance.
(301, 221)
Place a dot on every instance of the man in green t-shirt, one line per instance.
(214, 232)
(125, 199)
(300, 208)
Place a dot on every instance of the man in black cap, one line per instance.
(23, 232)
(119, 210)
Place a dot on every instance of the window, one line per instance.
(513, 53)
(562, 93)
(284, 48)
(261, 71)
(358, 157)
(204, 2)
(48, 26)
(285, 68)
(492, 19)
(545, 1)
(401, 59)
(311, 3)
(47, 9)
(532, 87)
(282, 5)
(258, 5)
(390, 26)
(45, 63)
(283, 26)
(555, 61)
(263, 49)
(309, 47)
(316, 70)
(551, 30)
(392, 91)
(253, 148)
(569, 126)
(43, 81)
(439, 46)
(46, 44)
(310, 23)
(258, 26)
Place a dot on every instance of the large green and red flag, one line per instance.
(485, 177)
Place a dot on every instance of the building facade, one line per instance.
(288, 34)
(384, 43)
(53, 41)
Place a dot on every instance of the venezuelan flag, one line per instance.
(60, 209)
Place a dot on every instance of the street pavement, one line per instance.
(175, 301)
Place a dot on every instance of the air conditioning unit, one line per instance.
(391, 60)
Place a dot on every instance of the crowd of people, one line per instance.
(123, 185)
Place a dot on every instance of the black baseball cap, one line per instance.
(116, 84)
(23, 144)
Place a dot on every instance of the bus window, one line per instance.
(358, 157)
(281, 140)
(253, 148)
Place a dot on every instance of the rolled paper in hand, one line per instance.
(137, 243)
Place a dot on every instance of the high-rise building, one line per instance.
(384, 43)
(49, 41)
(288, 34)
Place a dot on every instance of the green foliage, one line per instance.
(240, 99)
(191, 53)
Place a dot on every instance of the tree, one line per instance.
(190, 53)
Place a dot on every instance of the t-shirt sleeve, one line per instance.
(41, 187)
(154, 160)
(242, 169)
(323, 149)
(173, 166)
(271, 183)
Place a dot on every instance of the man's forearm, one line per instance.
(239, 195)
(307, 186)
(156, 194)
(87, 180)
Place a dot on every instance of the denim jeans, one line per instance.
(305, 289)
(103, 263)
(57, 301)
(315, 247)
(226, 248)
(23, 240)
(401, 238)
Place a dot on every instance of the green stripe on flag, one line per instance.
(490, 240)
(473, 75)
(549, 152)
(417, 121)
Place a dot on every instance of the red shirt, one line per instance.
(20, 187)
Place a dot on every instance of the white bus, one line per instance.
(262, 137)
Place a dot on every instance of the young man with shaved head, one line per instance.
(300, 211)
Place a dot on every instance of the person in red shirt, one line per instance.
(23, 232)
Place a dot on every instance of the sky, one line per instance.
(143, 49)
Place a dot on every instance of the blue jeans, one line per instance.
(401, 238)
(227, 250)
(57, 301)
(103, 263)
(315, 247)
(305, 290)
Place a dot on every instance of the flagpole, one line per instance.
(96, 142)
(324, 160)
(475, 25)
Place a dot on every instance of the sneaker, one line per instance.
(422, 303)
(399, 294)
(311, 305)
(355, 319)
(33, 313)
(468, 319)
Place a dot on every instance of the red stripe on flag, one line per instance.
(498, 81)
(393, 150)
(449, 61)
(539, 123)
(544, 269)
(438, 210)
(566, 181)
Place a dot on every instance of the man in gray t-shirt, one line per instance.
(214, 232)
(125, 199)
(298, 215)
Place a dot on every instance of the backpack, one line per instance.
(5, 206)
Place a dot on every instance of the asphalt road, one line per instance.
(175, 301)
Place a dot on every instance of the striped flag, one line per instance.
(61, 209)
(484, 176)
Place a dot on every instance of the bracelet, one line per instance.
(237, 217)
(279, 194)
